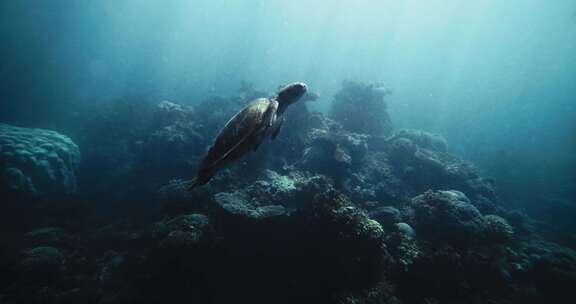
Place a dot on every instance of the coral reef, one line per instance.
(182, 231)
(497, 228)
(273, 195)
(238, 203)
(421, 161)
(361, 107)
(447, 215)
(291, 190)
(405, 230)
(387, 216)
(336, 210)
(330, 149)
(450, 216)
(175, 132)
(37, 161)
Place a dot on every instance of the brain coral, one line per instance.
(37, 161)
(447, 215)
(497, 228)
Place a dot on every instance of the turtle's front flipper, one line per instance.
(269, 121)
(277, 129)
(259, 139)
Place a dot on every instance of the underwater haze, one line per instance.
(413, 107)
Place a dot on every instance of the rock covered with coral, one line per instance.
(37, 161)
(387, 216)
(182, 231)
(240, 204)
(175, 190)
(496, 228)
(345, 238)
(421, 161)
(168, 112)
(175, 132)
(291, 190)
(361, 107)
(273, 195)
(418, 138)
(451, 217)
(375, 180)
(447, 215)
(331, 149)
(352, 222)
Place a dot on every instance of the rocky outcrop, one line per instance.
(446, 215)
(361, 107)
(449, 216)
(421, 161)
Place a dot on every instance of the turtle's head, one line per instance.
(290, 94)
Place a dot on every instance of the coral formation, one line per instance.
(447, 215)
(336, 210)
(497, 228)
(175, 132)
(291, 190)
(37, 161)
(182, 231)
(361, 107)
(387, 216)
(422, 162)
(405, 230)
(331, 149)
(238, 203)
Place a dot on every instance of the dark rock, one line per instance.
(40, 266)
(49, 236)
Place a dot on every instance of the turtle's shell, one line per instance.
(242, 133)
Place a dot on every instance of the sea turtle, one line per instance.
(246, 130)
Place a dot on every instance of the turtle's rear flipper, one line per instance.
(202, 178)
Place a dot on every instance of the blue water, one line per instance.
(493, 77)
